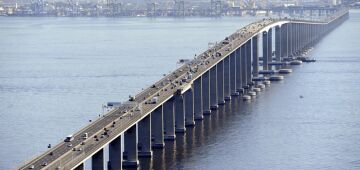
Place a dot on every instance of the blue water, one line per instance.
(56, 72)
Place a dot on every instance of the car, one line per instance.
(85, 136)
(69, 145)
(69, 138)
(44, 164)
(31, 167)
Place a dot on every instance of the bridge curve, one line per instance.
(229, 69)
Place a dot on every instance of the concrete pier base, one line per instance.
(214, 107)
(207, 112)
(221, 102)
(235, 94)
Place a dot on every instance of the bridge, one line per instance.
(231, 68)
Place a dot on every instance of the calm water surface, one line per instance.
(56, 72)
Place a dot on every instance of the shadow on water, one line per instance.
(201, 135)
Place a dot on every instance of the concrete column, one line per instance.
(213, 88)
(169, 120)
(239, 87)
(144, 145)
(243, 66)
(293, 38)
(283, 47)
(220, 82)
(255, 56)
(130, 147)
(297, 38)
(265, 50)
(227, 78)
(97, 160)
(198, 113)
(179, 114)
(248, 63)
(81, 167)
(206, 92)
(115, 154)
(157, 128)
(278, 43)
(233, 89)
(269, 47)
(290, 37)
(189, 108)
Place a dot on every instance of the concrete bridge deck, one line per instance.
(107, 129)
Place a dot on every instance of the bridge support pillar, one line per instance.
(213, 88)
(248, 64)
(130, 147)
(206, 92)
(269, 48)
(97, 160)
(157, 128)
(189, 108)
(227, 78)
(220, 82)
(239, 87)
(233, 74)
(278, 45)
(265, 50)
(255, 63)
(198, 113)
(169, 120)
(244, 67)
(144, 145)
(179, 114)
(115, 154)
(284, 44)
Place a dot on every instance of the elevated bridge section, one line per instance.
(238, 66)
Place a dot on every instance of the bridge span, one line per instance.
(231, 68)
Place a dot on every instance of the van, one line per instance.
(154, 100)
(69, 138)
